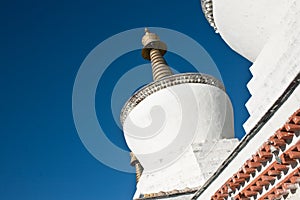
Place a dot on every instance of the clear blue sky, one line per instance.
(43, 44)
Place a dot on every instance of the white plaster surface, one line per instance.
(191, 170)
(295, 196)
(181, 174)
(211, 154)
(207, 115)
(275, 68)
(185, 114)
(247, 25)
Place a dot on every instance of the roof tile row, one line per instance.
(241, 187)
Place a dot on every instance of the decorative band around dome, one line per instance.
(207, 8)
(172, 80)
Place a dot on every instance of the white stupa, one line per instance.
(179, 128)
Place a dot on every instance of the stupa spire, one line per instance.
(153, 50)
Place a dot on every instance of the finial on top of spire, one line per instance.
(149, 38)
(152, 41)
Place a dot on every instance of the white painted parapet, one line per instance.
(267, 33)
(276, 67)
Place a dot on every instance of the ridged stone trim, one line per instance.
(207, 8)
